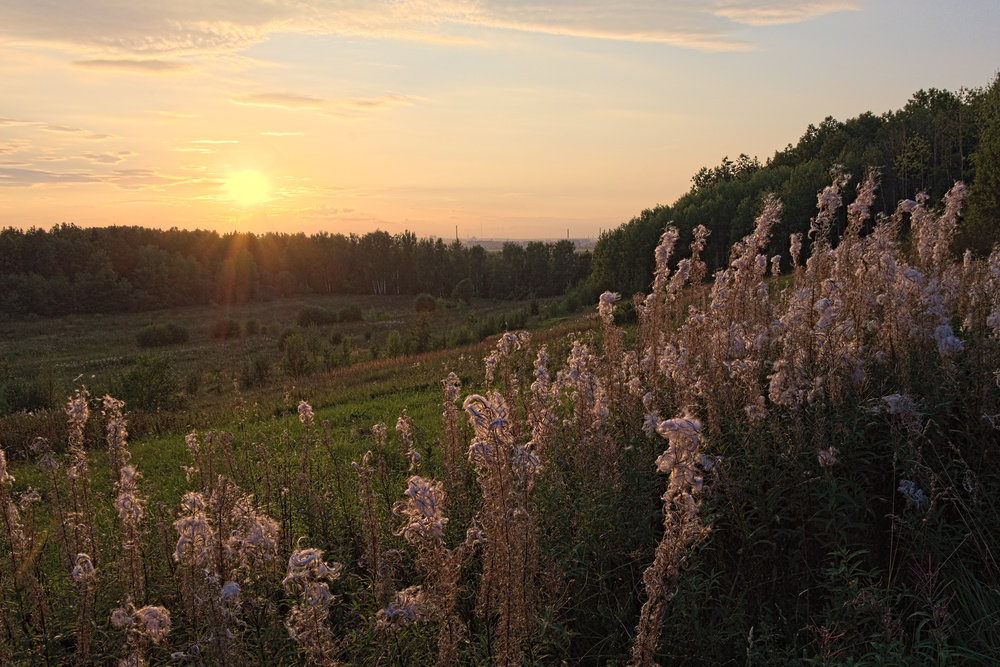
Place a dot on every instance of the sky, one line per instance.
(496, 118)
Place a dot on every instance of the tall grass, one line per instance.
(822, 489)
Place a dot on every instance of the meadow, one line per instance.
(766, 468)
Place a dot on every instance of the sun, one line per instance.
(248, 187)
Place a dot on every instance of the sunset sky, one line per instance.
(509, 119)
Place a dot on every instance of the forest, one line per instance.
(120, 269)
(937, 138)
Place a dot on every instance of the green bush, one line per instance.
(315, 315)
(464, 291)
(158, 335)
(351, 313)
(425, 303)
(225, 329)
(394, 344)
(255, 370)
(252, 326)
(296, 360)
(150, 384)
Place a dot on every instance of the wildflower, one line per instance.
(948, 344)
(915, 498)
(606, 306)
(404, 609)
(305, 414)
(84, 569)
(423, 511)
(828, 457)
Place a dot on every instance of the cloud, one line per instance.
(141, 35)
(281, 101)
(344, 107)
(52, 127)
(108, 158)
(131, 65)
(758, 13)
(16, 177)
(213, 141)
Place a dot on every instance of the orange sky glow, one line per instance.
(501, 119)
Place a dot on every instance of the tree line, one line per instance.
(70, 269)
(937, 138)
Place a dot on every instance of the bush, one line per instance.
(255, 370)
(394, 344)
(315, 315)
(225, 329)
(425, 303)
(252, 326)
(18, 394)
(158, 335)
(351, 313)
(150, 384)
(464, 291)
(296, 361)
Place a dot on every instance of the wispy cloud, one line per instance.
(141, 35)
(281, 101)
(135, 66)
(345, 107)
(17, 177)
(53, 127)
(763, 13)
(108, 158)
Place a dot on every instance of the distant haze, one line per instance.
(511, 120)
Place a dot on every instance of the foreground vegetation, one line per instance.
(764, 470)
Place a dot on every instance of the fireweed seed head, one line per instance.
(828, 457)
(191, 440)
(305, 414)
(452, 387)
(915, 498)
(83, 569)
(121, 617)
(195, 538)
(230, 591)
(155, 622)
(947, 342)
(5, 477)
(404, 609)
(899, 404)
(77, 409)
(29, 497)
(606, 306)
(306, 565)
(379, 432)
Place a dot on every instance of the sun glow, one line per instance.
(248, 187)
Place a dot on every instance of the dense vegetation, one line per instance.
(937, 138)
(120, 269)
(770, 469)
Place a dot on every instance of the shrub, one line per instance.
(157, 335)
(351, 313)
(150, 384)
(310, 315)
(255, 370)
(225, 329)
(295, 361)
(464, 291)
(425, 303)
(394, 344)
(251, 326)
